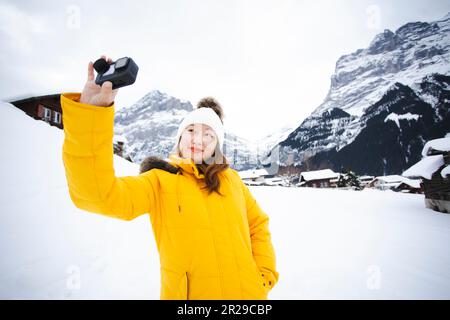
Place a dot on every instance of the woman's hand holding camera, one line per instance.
(93, 94)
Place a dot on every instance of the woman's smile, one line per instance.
(196, 150)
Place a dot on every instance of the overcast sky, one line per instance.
(268, 63)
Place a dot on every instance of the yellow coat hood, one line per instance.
(210, 246)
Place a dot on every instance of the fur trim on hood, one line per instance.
(157, 163)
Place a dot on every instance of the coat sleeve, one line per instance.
(263, 251)
(87, 155)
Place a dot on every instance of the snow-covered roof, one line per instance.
(389, 179)
(445, 172)
(319, 174)
(33, 95)
(366, 178)
(442, 144)
(119, 137)
(396, 180)
(425, 167)
(253, 173)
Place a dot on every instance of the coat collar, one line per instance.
(186, 164)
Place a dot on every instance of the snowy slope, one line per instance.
(367, 245)
(340, 244)
(49, 247)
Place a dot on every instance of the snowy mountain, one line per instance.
(266, 143)
(355, 245)
(384, 102)
(150, 125)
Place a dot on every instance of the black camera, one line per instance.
(121, 73)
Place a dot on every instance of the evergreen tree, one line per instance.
(349, 179)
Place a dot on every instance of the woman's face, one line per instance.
(198, 142)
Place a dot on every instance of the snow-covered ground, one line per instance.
(340, 244)
(330, 244)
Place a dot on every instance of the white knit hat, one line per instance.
(205, 116)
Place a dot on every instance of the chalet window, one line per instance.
(47, 114)
(57, 117)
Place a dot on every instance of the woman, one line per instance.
(213, 238)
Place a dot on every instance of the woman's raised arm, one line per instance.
(88, 120)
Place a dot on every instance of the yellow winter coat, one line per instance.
(210, 246)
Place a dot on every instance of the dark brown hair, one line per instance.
(212, 170)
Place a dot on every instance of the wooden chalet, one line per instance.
(46, 108)
(434, 170)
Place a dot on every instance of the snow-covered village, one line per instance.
(356, 191)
